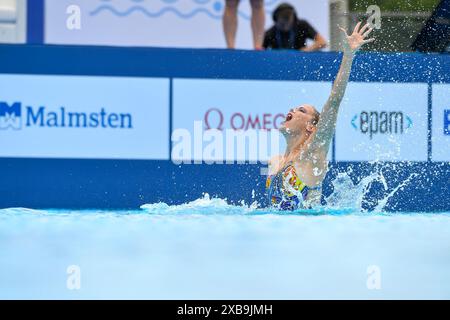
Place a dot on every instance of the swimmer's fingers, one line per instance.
(365, 34)
(366, 26)
(369, 40)
(357, 27)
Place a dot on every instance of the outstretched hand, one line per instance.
(357, 39)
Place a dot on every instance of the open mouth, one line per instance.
(288, 117)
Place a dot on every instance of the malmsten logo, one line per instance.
(12, 116)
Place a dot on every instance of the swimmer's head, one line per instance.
(300, 120)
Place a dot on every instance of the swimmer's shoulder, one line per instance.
(274, 164)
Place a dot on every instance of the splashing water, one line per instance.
(347, 198)
(350, 195)
(216, 206)
(382, 202)
(205, 205)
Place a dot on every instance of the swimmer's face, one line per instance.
(300, 120)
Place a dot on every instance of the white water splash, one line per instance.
(346, 194)
(349, 195)
(382, 202)
(205, 205)
(346, 198)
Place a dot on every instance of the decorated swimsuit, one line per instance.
(285, 189)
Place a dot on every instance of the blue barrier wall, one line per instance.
(95, 183)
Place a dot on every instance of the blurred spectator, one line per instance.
(289, 32)
(230, 22)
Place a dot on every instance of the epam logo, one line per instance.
(381, 122)
(10, 115)
(447, 122)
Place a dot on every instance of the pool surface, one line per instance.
(208, 249)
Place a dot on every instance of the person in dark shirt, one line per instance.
(289, 32)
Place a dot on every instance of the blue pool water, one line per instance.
(209, 249)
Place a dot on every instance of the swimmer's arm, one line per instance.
(328, 117)
(327, 123)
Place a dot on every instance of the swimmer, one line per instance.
(295, 178)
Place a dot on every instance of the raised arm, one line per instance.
(328, 116)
